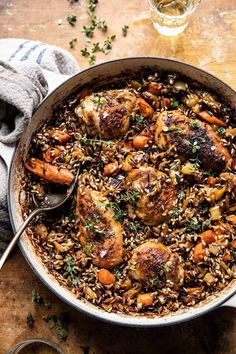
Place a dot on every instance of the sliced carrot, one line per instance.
(208, 236)
(204, 115)
(60, 136)
(50, 154)
(227, 257)
(231, 219)
(144, 300)
(166, 102)
(199, 252)
(49, 172)
(105, 277)
(111, 168)
(141, 141)
(154, 88)
(145, 109)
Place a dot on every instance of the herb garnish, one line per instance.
(174, 212)
(96, 48)
(220, 130)
(194, 125)
(88, 247)
(175, 102)
(98, 100)
(168, 266)
(195, 147)
(88, 31)
(108, 43)
(70, 271)
(72, 42)
(139, 119)
(92, 5)
(60, 322)
(193, 223)
(72, 18)
(87, 141)
(131, 196)
(92, 59)
(85, 52)
(125, 30)
(30, 320)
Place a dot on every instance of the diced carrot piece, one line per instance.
(231, 219)
(50, 154)
(105, 277)
(208, 236)
(145, 300)
(154, 88)
(213, 180)
(111, 168)
(227, 257)
(199, 252)
(145, 109)
(204, 115)
(49, 172)
(233, 244)
(166, 102)
(141, 141)
(60, 136)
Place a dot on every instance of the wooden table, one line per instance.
(209, 43)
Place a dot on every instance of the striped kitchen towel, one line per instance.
(22, 87)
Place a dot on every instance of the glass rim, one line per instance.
(188, 12)
(24, 344)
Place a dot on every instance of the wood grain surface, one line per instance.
(209, 42)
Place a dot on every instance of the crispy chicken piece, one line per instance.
(191, 140)
(154, 263)
(107, 113)
(154, 196)
(100, 234)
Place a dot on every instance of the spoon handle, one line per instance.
(17, 236)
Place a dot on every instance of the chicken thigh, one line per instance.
(154, 263)
(100, 234)
(155, 196)
(192, 139)
(107, 113)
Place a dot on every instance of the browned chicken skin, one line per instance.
(155, 196)
(191, 141)
(100, 234)
(154, 263)
(107, 113)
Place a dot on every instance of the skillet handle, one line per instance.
(230, 302)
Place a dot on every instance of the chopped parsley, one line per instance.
(70, 271)
(168, 266)
(117, 272)
(72, 42)
(92, 5)
(92, 59)
(174, 212)
(72, 18)
(125, 30)
(88, 247)
(175, 103)
(98, 100)
(85, 52)
(88, 31)
(87, 142)
(30, 320)
(220, 130)
(194, 125)
(193, 223)
(195, 147)
(108, 43)
(118, 213)
(62, 334)
(139, 119)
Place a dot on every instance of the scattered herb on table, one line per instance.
(92, 5)
(59, 323)
(72, 18)
(85, 52)
(125, 30)
(72, 42)
(36, 297)
(92, 59)
(175, 103)
(30, 320)
(88, 31)
(108, 43)
(96, 48)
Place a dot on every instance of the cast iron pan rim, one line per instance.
(109, 319)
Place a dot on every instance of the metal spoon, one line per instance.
(54, 199)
